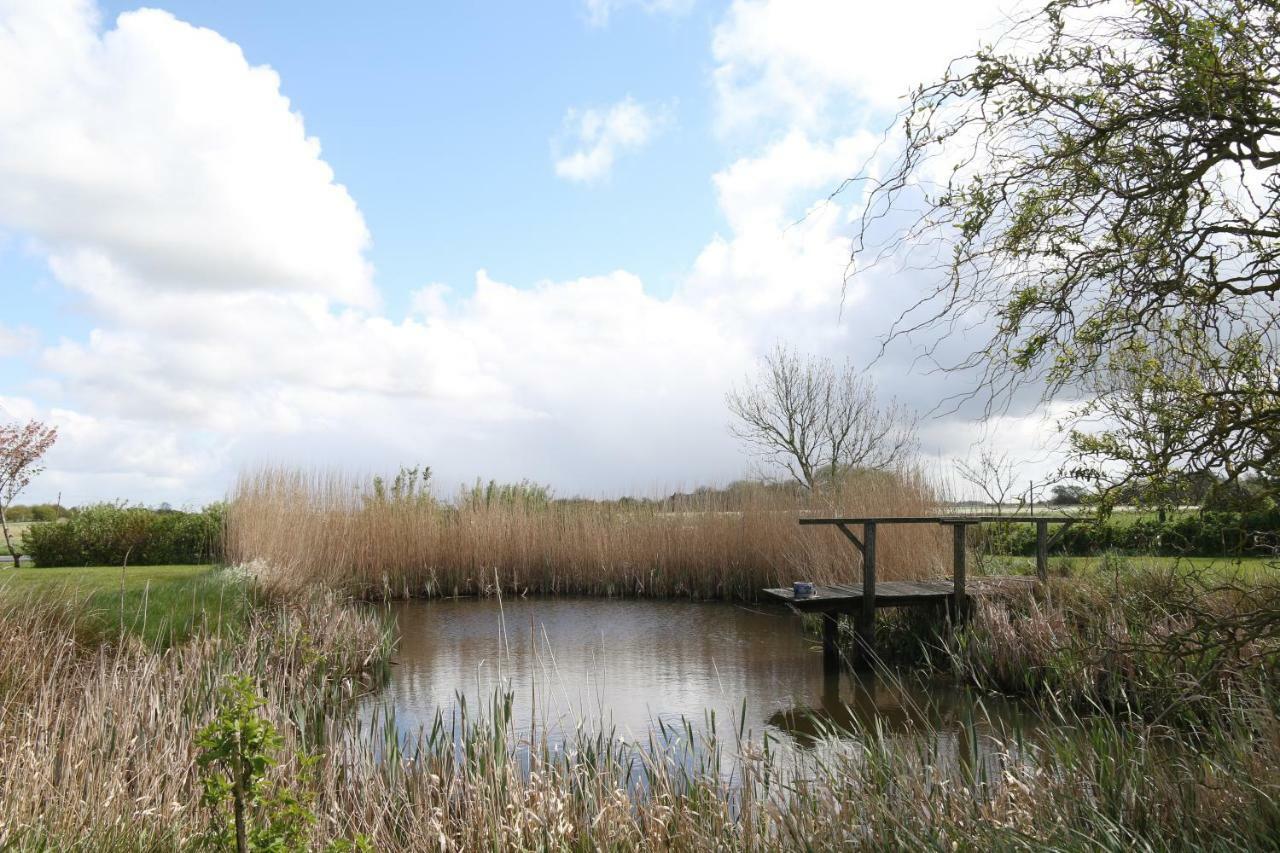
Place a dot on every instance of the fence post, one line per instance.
(1042, 550)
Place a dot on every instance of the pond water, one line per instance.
(626, 665)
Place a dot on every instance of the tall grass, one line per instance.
(315, 527)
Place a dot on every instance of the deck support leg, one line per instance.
(864, 642)
(958, 564)
(865, 620)
(831, 689)
(830, 642)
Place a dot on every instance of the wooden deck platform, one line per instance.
(842, 598)
(860, 601)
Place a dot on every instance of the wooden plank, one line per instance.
(849, 598)
(855, 590)
(931, 586)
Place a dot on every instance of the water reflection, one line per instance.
(575, 665)
(852, 703)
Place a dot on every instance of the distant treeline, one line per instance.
(37, 512)
(111, 535)
(413, 486)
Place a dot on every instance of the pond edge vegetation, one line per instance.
(125, 736)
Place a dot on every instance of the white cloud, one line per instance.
(560, 381)
(808, 63)
(176, 193)
(430, 301)
(122, 459)
(18, 408)
(597, 137)
(760, 190)
(157, 145)
(599, 11)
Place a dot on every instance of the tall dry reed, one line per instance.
(97, 747)
(97, 752)
(1160, 643)
(313, 527)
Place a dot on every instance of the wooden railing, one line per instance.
(866, 544)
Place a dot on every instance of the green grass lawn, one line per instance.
(162, 605)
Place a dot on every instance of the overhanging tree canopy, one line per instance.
(1106, 172)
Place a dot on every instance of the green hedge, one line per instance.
(107, 535)
(1208, 534)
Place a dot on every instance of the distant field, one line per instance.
(1119, 514)
(15, 530)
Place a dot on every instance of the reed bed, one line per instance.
(97, 741)
(310, 527)
(1162, 644)
(1098, 785)
(97, 753)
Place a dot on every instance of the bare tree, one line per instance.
(993, 473)
(21, 449)
(817, 421)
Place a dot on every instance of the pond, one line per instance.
(635, 667)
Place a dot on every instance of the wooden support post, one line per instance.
(958, 565)
(1042, 550)
(830, 642)
(831, 688)
(860, 655)
(865, 624)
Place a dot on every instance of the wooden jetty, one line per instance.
(835, 601)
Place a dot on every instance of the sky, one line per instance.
(506, 240)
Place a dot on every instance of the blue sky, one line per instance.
(439, 118)
(535, 240)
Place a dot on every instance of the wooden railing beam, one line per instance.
(849, 534)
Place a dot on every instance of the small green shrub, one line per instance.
(237, 749)
(524, 494)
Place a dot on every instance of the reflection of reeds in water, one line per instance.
(309, 527)
(96, 753)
